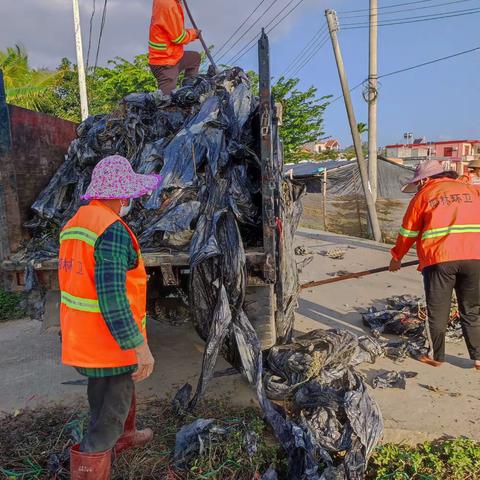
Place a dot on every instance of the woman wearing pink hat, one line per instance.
(443, 219)
(103, 313)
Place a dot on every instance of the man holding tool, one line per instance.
(103, 287)
(443, 218)
(168, 36)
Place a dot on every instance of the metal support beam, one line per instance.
(266, 144)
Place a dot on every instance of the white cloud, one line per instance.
(45, 27)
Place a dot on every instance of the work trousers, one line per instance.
(109, 399)
(440, 281)
(167, 75)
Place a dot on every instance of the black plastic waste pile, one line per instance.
(405, 316)
(204, 141)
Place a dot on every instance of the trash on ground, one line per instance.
(392, 379)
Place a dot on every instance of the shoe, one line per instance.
(429, 361)
(90, 466)
(131, 437)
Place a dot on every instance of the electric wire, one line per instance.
(309, 58)
(409, 9)
(305, 50)
(270, 6)
(248, 47)
(90, 33)
(407, 20)
(102, 25)
(385, 7)
(413, 67)
(240, 27)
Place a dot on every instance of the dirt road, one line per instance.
(437, 402)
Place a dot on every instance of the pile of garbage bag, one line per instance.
(204, 141)
(406, 316)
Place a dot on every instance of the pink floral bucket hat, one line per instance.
(114, 178)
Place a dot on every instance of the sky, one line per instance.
(439, 102)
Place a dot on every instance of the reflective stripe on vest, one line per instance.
(158, 46)
(81, 304)
(408, 233)
(180, 38)
(79, 233)
(442, 232)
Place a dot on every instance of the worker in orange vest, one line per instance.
(473, 176)
(443, 218)
(168, 36)
(103, 314)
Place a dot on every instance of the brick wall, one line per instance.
(39, 145)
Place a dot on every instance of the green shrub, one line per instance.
(11, 306)
(452, 459)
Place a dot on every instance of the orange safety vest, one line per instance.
(86, 339)
(471, 179)
(444, 220)
(167, 33)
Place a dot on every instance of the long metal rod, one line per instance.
(200, 37)
(82, 82)
(372, 213)
(350, 276)
(372, 100)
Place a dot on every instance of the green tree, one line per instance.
(302, 114)
(23, 85)
(362, 128)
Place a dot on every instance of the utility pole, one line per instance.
(82, 82)
(372, 96)
(357, 142)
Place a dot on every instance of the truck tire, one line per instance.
(259, 307)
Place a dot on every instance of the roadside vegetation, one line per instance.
(33, 441)
(11, 306)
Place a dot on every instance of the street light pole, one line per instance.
(82, 82)
(372, 96)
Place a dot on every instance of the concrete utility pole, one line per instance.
(357, 142)
(372, 100)
(82, 82)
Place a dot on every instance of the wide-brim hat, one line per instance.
(424, 170)
(474, 163)
(113, 178)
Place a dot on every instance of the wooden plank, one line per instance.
(254, 257)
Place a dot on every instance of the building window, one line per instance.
(448, 152)
(467, 150)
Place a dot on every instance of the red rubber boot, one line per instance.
(90, 466)
(131, 437)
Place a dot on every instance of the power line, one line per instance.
(413, 67)
(252, 42)
(385, 6)
(403, 21)
(241, 26)
(409, 9)
(310, 58)
(248, 30)
(102, 25)
(90, 33)
(300, 55)
(429, 63)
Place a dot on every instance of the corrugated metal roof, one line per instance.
(309, 169)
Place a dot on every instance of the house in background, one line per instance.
(323, 146)
(454, 154)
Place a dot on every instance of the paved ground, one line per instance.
(32, 375)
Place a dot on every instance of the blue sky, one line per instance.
(439, 101)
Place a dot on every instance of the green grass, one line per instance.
(10, 306)
(30, 437)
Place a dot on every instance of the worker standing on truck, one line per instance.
(443, 218)
(103, 287)
(168, 35)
